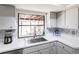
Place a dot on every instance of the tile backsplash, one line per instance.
(65, 31)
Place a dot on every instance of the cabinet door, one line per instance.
(61, 50)
(53, 50)
(51, 20)
(36, 48)
(6, 10)
(64, 49)
(7, 23)
(19, 51)
(7, 17)
(45, 51)
(61, 19)
(30, 49)
(72, 18)
(49, 50)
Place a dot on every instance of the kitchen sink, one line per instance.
(35, 40)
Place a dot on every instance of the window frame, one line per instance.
(31, 25)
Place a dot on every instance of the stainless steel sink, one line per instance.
(35, 40)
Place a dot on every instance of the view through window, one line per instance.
(30, 25)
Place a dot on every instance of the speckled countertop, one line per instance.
(69, 40)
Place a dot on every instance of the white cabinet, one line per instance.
(52, 50)
(51, 20)
(30, 50)
(7, 17)
(7, 10)
(68, 19)
(61, 50)
(61, 19)
(7, 23)
(72, 18)
(47, 48)
(64, 49)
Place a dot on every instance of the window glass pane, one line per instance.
(41, 22)
(23, 31)
(24, 17)
(39, 30)
(25, 22)
(20, 22)
(32, 30)
(28, 31)
(34, 22)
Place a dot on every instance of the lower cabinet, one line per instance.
(45, 51)
(53, 50)
(36, 52)
(48, 48)
(18, 51)
(61, 50)
(64, 49)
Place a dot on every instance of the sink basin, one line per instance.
(35, 40)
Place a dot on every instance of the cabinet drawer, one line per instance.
(65, 47)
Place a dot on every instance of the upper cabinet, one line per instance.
(51, 20)
(68, 19)
(7, 23)
(7, 10)
(7, 17)
(72, 18)
(61, 19)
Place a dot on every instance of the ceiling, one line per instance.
(43, 7)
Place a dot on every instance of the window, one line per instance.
(30, 25)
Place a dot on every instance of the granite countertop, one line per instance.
(71, 41)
